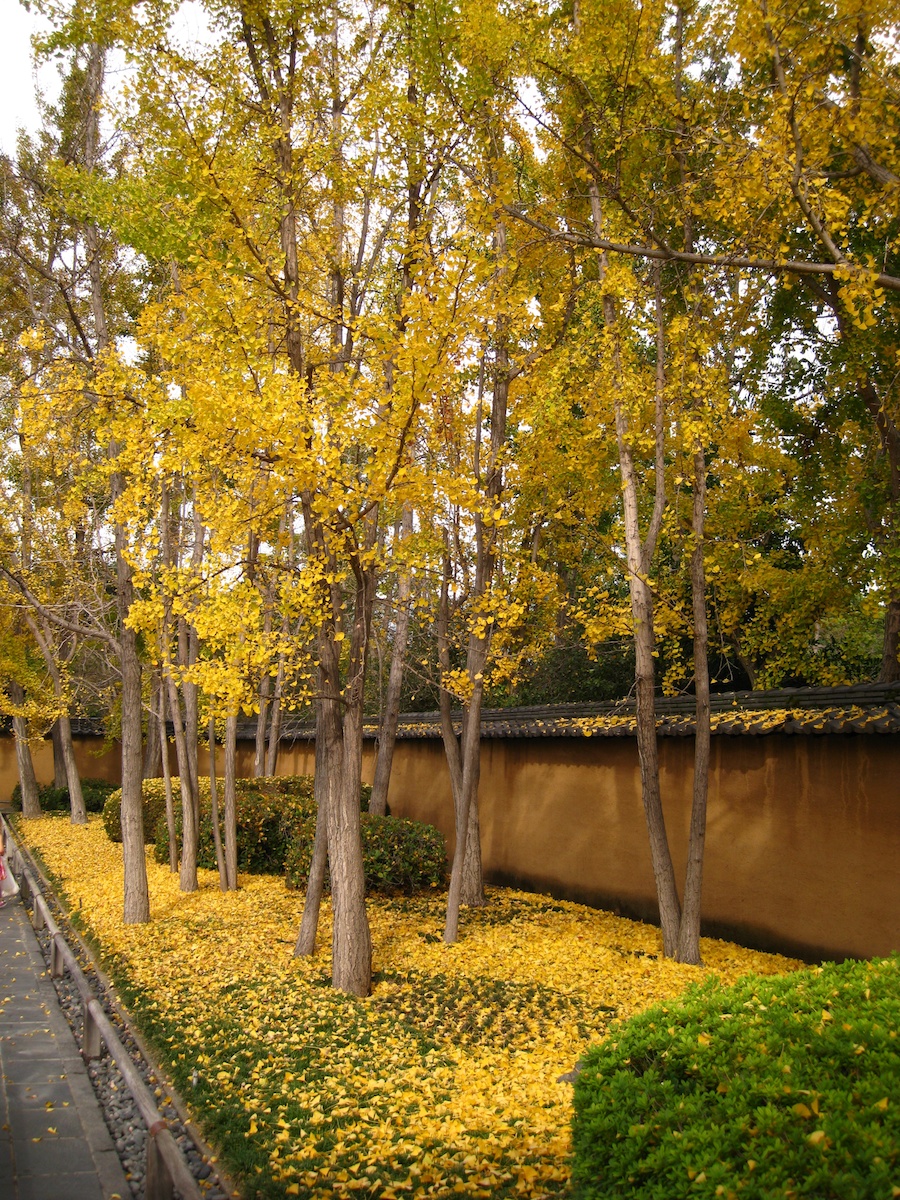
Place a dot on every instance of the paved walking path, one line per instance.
(54, 1144)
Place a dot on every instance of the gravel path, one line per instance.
(129, 1132)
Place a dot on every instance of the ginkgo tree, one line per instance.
(482, 299)
(314, 318)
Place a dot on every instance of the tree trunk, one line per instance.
(167, 778)
(275, 722)
(472, 893)
(259, 757)
(351, 965)
(73, 779)
(214, 805)
(469, 783)
(315, 884)
(689, 932)
(265, 691)
(62, 728)
(231, 869)
(639, 554)
(60, 779)
(137, 897)
(661, 858)
(31, 804)
(153, 746)
(387, 735)
(890, 662)
(188, 875)
(188, 649)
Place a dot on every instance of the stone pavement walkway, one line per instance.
(54, 1144)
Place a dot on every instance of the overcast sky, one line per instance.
(17, 82)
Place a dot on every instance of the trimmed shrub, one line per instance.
(96, 792)
(398, 855)
(153, 800)
(268, 813)
(54, 799)
(773, 1087)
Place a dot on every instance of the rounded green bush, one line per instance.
(96, 792)
(153, 798)
(398, 855)
(54, 799)
(267, 813)
(773, 1087)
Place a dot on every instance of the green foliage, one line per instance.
(268, 813)
(54, 799)
(153, 803)
(96, 792)
(772, 1087)
(398, 855)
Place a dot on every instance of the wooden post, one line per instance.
(90, 1033)
(157, 1181)
(57, 964)
(38, 919)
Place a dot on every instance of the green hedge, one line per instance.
(773, 1087)
(54, 799)
(398, 855)
(268, 812)
(154, 805)
(276, 825)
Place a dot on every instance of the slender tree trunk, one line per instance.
(62, 728)
(315, 884)
(469, 783)
(73, 779)
(137, 897)
(189, 831)
(342, 760)
(167, 778)
(31, 804)
(60, 779)
(472, 893)
(275, 720)
(265, 691)
(663, 871)
(231, 868)
(187, 650)
(152, 750)
(639, 556)
(259, 757)
(387, 736)
(689, 932)
(214, 804)
(890, 660)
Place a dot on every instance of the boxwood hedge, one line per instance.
(276, 821)
(773, 1087)
(56, 799)
(398, 855)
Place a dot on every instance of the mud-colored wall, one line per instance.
(803, 837)
(96, 759)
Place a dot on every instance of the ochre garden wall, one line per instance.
(96, 759)
(803, 840)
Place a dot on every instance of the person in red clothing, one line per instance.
(8, 885)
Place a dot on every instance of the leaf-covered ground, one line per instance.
(443, 1082)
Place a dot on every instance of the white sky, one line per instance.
(17, 80)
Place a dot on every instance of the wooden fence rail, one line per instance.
(167, 1171)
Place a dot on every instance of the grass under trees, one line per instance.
(442, 1082)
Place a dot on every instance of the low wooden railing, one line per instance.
(167, 1171)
